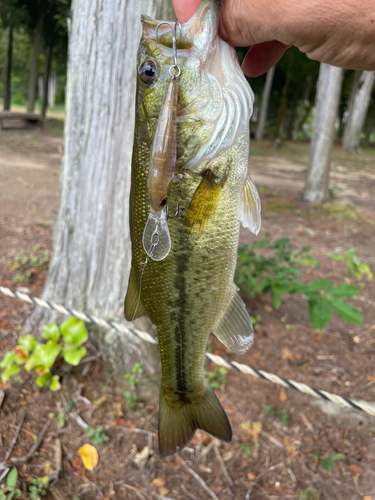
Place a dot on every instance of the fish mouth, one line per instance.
(203, 22)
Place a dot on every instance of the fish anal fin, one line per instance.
(234, 328)
(178, 422)
(250, 207)
(203, 204)
(134, 307)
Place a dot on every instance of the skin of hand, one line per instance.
(336, 32)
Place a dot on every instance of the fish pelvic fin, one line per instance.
(250, 207)
(203, 204)
(178, 422)
(234, 328)
(133, 306)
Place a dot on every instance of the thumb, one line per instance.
(185, 9)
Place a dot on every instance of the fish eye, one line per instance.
(148, 71)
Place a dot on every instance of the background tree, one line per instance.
(264, 104)
(357, 110)
(91, 254)
(328, 95)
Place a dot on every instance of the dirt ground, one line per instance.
(279, 435)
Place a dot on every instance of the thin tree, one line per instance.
(35, 63)
(327, 101)
(358, 111)
(91, 251)
(264, 104)
(8, 68)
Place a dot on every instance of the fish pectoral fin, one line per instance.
(203, 204)
(134, 307)
(250, 207)
(178, 423)
(234, 328)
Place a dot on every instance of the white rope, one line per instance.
(365, 406)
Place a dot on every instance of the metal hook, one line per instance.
(174, 46)
(172, 216)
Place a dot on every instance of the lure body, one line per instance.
(190, 292)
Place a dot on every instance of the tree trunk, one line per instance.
(264, 104)
(47, 72)
(92, 253)
(370, 127)
(35, 64)
(284, 100)
(327, 101)
(357, 115)
(8, 68)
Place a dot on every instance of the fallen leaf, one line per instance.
(289, 448)
(286, 353)
(159, 481)
(282, 395)
(355, 470)
(251, 476)
(89, 456)
(163, 492)
(253, 429)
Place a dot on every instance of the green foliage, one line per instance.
(245, 448)
(356, 268)
(38, 488)
(278, 412)
(11, 491)
(133, 378)
(217, 378)
(40, 357)
(310, 493)
(23, 262)
(97, 435)
(276, 270)
(328, 462)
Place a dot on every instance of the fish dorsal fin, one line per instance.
(250, 207)
(234, 328)
(134, 307)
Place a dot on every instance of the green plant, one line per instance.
(38, 259)
(276, 273)
(245, 448)
(310, 493)
(278, 412)
(39, 357)
(38, 488)
(216, 378)
(328, 462)
(133, 378)
(97, 435)
(11, 491)
(356, 268)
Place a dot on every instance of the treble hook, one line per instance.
(172, 216)
(174, 46)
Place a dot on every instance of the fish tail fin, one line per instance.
(178, 423)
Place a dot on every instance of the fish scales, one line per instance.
(190, 293)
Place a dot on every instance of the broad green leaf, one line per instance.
(55, 384)
(320, 313)
(74, 356)
(344, 291)
(20, 354)
(317, 285)
(43, 380)
(7, 360)
(28, 342)
(276, 298)
(346, 311)
(328, 462)
(12, 478)
(9, 372)
(44, 355)
(74, 331)
(51, 332)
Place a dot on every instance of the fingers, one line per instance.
(261, 57)
(184, 9)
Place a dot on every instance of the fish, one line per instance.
(189, 292)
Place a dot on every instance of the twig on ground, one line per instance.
(74, 416)
(91, 358)
(136, 431)
(259, 476)
(217, 443)
(12, 444)
(188, 492)
(2, 396)
(58, 462)
(137, 491)
(34, 448)
(197, 477)
(234, 458)
(93, 485)
(156, 495)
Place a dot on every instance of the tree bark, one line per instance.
(8, 68)
(328, 95)
(357, 114)
(284, 99)
(34, 64)
(264, 104)
(370, 126)
(47, 72)
(91, 251)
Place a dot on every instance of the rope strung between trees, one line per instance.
(358, 404)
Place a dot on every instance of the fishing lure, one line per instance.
(156, 237)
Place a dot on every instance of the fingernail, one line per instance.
(223, 34)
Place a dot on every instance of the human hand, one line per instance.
(340, 33)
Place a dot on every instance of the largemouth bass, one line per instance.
(190, 292)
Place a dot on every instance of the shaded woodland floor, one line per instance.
(279, 435)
